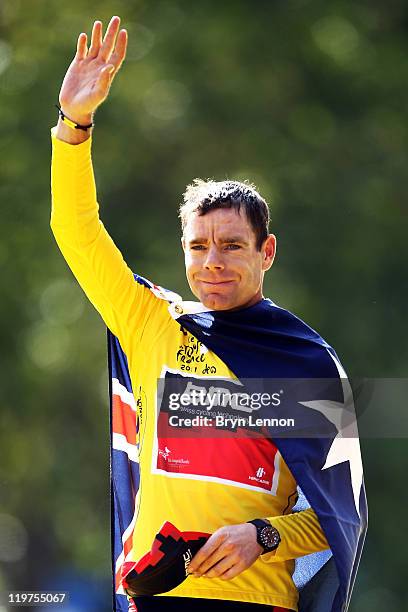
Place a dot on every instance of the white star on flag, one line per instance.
(346, 444)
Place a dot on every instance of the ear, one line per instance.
(183, 243)
(268, 252)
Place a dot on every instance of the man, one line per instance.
(243, 565)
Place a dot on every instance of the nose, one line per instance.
(213, 261)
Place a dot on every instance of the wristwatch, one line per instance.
(266, 535)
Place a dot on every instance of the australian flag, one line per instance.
(268, 342)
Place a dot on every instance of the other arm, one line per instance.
(234, 548)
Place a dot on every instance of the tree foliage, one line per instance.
(307, 99)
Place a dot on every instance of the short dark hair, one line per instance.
(203, 196)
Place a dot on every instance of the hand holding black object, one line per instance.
(229, 551)
(166, 565)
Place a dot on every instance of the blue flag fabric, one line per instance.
(266, 341)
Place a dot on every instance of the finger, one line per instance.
(211, 562)
(109, 39)
(96, 40)
(82, 48)
(235, 570)
(221, 567)
(119, 53)
(206, 551)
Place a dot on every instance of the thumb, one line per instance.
(110, 68)
(107, 72)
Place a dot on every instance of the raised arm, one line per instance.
(81, 236)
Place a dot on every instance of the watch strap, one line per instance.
(268, 544)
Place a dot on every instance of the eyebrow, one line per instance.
(226, 240)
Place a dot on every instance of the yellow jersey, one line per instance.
(198, 484)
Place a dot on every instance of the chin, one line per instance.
(218, 302)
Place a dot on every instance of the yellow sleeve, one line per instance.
(300, 534)
(90, 252)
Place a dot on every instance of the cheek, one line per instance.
(190, 264)
(252, 273)
(187, 259)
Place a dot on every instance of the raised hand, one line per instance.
(89, 77)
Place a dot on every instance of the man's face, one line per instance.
(224, 268)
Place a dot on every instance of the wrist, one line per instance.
(75, 117)
(73, 128)
(79, 119)
(66, 134)
(267, 536)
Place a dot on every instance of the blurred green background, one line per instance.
(308, 100)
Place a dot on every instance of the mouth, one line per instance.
(215, 283)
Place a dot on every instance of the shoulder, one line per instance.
(303, 338)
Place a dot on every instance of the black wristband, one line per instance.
(72, 124)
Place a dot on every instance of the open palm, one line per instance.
(89, 77)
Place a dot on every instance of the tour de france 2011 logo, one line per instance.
(191, 357)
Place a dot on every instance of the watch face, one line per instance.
(270, 537)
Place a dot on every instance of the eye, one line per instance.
(197, 247)
(233, 247)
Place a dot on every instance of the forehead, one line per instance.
(220, 223)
